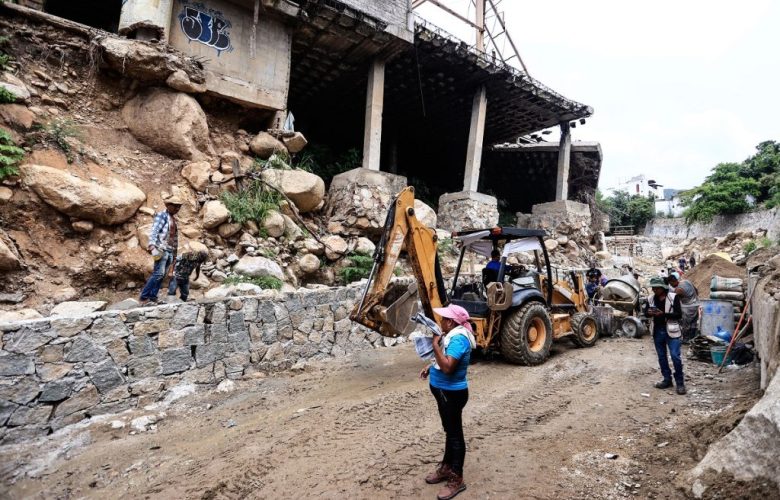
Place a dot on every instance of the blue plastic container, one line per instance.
(717, 353)
(716, 315)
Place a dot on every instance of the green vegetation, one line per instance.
(6, 96)
(322, 161)
(735, 188)
(252, 203)
(765, 242)
(58, 132)
(359, 268)
(626, 210)
(264, 282)
(10, 155)
(444, 247)
(749, 246)
(278, 161)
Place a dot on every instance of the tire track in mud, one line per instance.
(392, 436)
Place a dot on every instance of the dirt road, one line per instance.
(368, 428)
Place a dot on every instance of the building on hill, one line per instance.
(367, 74)
(641, 185)
(671, 204)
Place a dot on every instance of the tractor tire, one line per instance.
(586, 332)
(527, 335)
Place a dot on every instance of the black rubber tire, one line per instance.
(586, 332)
(633, 328)
(517, 346)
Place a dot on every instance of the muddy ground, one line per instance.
(368, 428)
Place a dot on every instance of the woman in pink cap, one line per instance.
(450, 388)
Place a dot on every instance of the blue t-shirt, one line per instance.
(459, 348)
(494, 265)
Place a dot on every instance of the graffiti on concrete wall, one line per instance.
(207, 26)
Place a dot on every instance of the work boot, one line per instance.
(681, 390)
(441, 473)
(454, 486)
(664, 384)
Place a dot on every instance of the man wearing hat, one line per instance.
(163, 241)
(665, 310)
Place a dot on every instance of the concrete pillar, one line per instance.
(564, 159)
(146, 19)
(476, 137)
(375, 97)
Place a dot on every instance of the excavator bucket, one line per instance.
(400, 304)
(392, 315)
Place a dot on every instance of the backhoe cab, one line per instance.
(516, 310)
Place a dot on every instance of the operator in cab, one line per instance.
(449, 387)
(495, 261)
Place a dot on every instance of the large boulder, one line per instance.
(214, 213)
(258, 267)
(265, 145)
(106, 201)
(305, 189)
(197, 174)
(171, 123)
(425, 214)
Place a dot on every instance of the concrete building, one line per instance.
(641, 185)
(368, 74)
(670, 204)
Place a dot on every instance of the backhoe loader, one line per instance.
(516, 311)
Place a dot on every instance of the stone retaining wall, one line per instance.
(721, 225)
(57, 371)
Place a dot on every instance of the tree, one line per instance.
(627, 210)
(734, 188)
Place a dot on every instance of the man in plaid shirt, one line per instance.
(163, 241)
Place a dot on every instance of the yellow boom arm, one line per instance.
(387, 310)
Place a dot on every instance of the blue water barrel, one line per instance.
(716, 315)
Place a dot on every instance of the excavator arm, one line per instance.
(388, 309)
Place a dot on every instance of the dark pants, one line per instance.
(662, 341)
(183, 284)
(451, 405)
(161, 267)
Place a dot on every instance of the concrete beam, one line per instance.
(564, 160)
(476, 138)
(375, 98)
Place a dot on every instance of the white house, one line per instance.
(670, 204)
(639, 184)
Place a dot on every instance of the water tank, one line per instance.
(716, 315)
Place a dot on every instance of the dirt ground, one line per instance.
(368, 428)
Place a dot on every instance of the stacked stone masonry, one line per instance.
(60, 370)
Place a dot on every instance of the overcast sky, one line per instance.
(677, 86)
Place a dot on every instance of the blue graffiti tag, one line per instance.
(206, 26)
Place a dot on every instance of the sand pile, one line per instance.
(711, 266)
